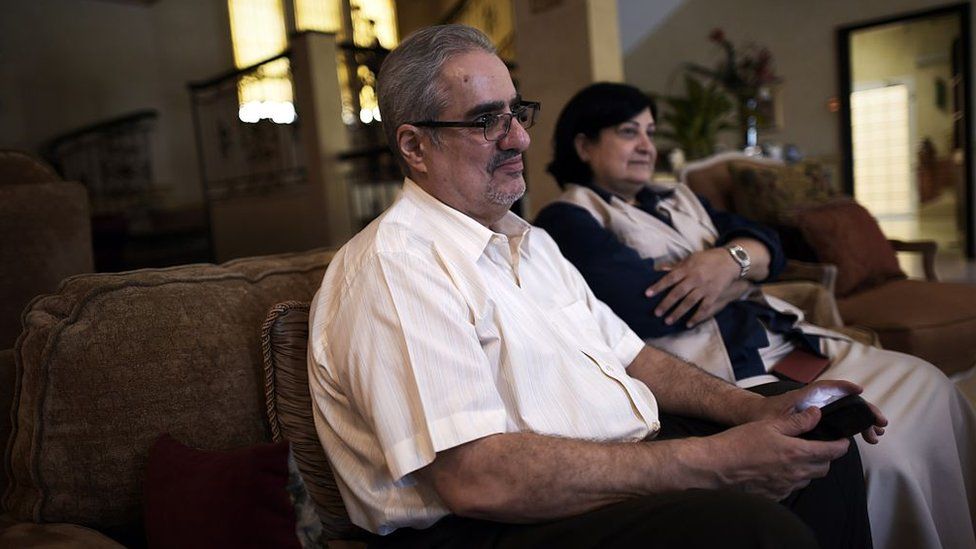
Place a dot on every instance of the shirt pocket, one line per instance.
(581, 327)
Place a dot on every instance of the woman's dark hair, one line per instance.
(593, 108)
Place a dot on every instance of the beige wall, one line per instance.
(801, 36)
(65, 64)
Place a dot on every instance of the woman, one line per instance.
(681, 275)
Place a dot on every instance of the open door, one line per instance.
(906, 124)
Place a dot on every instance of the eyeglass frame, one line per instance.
(536, 106)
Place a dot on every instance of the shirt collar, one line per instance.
(454, 229)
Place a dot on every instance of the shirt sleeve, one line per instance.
(731, 226)
(404, 340)
(615, 273)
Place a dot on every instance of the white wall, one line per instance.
(65, 64)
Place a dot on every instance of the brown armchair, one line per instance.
(926, 318)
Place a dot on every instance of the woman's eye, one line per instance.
(628, 132)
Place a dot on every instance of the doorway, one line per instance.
(906, 125)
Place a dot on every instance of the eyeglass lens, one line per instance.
(500, 125)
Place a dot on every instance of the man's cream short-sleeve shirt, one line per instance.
(431, 330)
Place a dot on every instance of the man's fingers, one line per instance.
(796, 424)
(880, 421)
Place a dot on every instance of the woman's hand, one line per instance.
(709, 279)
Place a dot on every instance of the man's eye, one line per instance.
(486, 119)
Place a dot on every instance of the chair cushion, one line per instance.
(284, 341)
(233, 498)
(933, 320)
(845, 234)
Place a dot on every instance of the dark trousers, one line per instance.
(830, 512)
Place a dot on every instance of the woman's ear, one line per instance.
(411, 147)
(581, 143)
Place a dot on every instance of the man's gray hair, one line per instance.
(408, 85)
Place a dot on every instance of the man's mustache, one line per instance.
(501, 158)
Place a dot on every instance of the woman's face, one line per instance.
(622, 156)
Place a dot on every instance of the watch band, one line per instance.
(741, 257)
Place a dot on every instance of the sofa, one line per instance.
(111, 361)
(212, 355)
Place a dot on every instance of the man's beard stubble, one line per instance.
(496, 195)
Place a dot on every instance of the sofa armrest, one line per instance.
(824, 274)
(53, 536)
(816, 301)
(925, 247)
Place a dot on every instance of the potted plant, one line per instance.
(747, 75)
(692, 122)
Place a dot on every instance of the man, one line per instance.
(678, 273)
(470, 390)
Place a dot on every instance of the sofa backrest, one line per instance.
(111, 361)
(45, 236)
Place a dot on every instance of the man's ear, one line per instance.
(582, 150)
(411, 147)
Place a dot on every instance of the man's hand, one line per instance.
(766, 457)
(785, 404)
(699, 279)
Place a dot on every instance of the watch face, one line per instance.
(740, 254)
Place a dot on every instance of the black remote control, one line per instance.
(842, 418)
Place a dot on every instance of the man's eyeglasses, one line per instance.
(495, 126)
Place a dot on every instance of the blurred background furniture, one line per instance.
(45, 235)
(927, 318)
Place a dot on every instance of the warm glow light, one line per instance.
(258, 33)
(882, 150)
(374, 18)
(318, 15)
(257, 29)
(278, 112)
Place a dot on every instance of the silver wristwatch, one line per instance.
(740, 256)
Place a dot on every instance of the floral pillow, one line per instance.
(772, 194)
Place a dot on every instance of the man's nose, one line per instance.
(517, 138)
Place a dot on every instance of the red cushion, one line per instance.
(234, 498)
(845, 234)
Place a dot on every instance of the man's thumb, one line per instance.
(801, 422)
